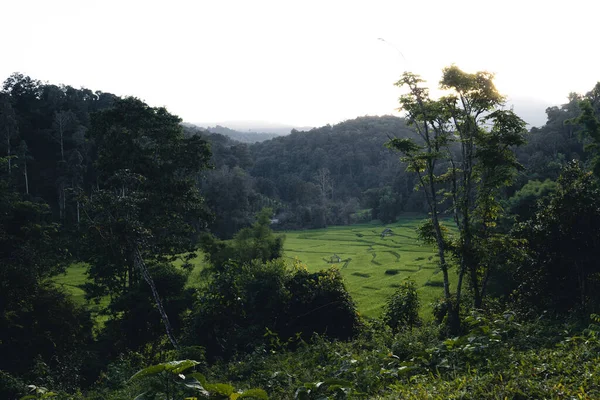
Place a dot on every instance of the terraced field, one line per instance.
(372, 265)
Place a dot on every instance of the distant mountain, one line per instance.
(533, 111)
(256, 126)
(244, 137)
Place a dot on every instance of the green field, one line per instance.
(373, 266)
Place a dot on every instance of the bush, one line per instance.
(10, 386)
(402, 308)
(247, 306)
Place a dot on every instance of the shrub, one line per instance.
(402, 308)
(242, 302)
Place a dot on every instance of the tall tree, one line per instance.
(146, 209)
(588, 119)
(325, 183)
(8, 127)
(24, 158)
(36, 318)
(430, 120)
(468, 132)
(487, 135)
(63, 122)
(564, 244)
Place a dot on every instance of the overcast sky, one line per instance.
(305, 63)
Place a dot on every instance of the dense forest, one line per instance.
(134, 195)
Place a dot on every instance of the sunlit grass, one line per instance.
(373, 266)
(72, 281)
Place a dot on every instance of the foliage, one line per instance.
(327, 389)
(563, 242)
(402, 308)
(168, 379)
(525, 201)
(39, 392)
(588, 119)
(36, 318)
(257, 242)
(467, 134)
(147, 210)
(137, 323)
(384, 204)
(11, 387)
(241, 302)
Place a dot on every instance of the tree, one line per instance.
(63, 122)
(591, 127)
(244, 306)
(8, 127)
(523, 204)
(430, 120)
(146, 209)
(564, 247)
(36, 318)
(24, 157)
(323, 180)
(257, 242)
(402, 308)
(486, 164)
(468, 132)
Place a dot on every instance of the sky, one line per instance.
(301, 63)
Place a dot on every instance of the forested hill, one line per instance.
(343, 173)
(244, 137)
(313, 179)
(325, 176)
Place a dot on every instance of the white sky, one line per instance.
(297, 62)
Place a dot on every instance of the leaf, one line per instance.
(148, 371)
(175, 367)
(340, 382)
(302, 393)
(222, 389)
(254, 394)
(201, 378)
(193, 383)
(145, 396)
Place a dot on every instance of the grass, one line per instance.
(73, 282)
(378, 264)
(373, 266)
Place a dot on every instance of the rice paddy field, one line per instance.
(374, 260)
(373, 264)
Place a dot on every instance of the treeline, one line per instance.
(332, 175)
(327, 176)
(342, 174)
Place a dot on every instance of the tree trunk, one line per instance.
(142, 267)
(62, 147)
(26, 178)
(61, 202)
(8, 152)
